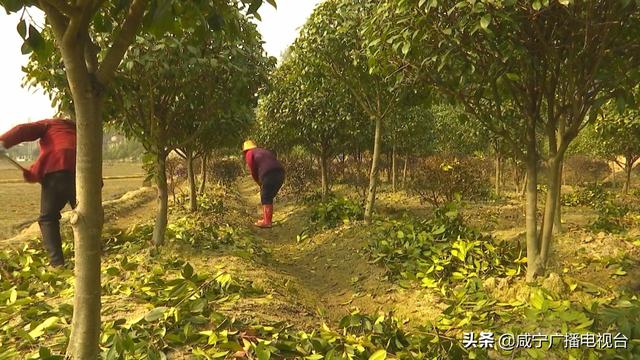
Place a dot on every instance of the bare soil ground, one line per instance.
(329, 274)
(320, 279)
(330, 271)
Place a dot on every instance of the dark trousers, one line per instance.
(271, 184)
(58, 190)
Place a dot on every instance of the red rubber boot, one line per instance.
(267, 217)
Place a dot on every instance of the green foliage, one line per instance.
(184, 302)
(174, 307)
(612, 214)
(308, 107)
(168, 308)
(200, 235)
(338, 99)
(438, 179)
(209, 204)
(361, 337)
(442, 250)
(160, 18)
(482, 55)
(25, 314)
(611, 217)
(188, 92)
(336, 211)
(593, 195)
(471, 307)
(173, 301)
(455, 132)
(617, 133)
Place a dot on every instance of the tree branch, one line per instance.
(79, 22)
(121, 43)
(56, 18)
(90, 54)
(181, 153)
(62, 6)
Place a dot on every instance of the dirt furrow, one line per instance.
(332, 266)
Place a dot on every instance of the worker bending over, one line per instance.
(267, 171)
(55, 171)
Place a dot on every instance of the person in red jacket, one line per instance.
(267, 171)
(54, 169)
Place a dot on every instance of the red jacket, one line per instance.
(260, 162)
(57, 146)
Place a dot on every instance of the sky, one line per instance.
(279, 28)
(17, 104)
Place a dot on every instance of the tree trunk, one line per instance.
(404, 171)
(557, 219)
(628, 169)
(613, 174)
(498, 174)
(551, 204)
(88, 216)
(160, 226)
(193, 194)
(324, 175)
(373, 175)
(203, 174)
(388, 167)
(394, 168)
(533, 249)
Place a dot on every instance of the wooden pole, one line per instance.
(13, 162)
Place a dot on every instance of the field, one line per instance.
(21, 201)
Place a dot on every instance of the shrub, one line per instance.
(302, 178)
(226, 170)
(210, 204)
(355, 173)
(176, 168)
(580, 169)
(438, 179)
(611, 218)
(592, 195)
(336, 211)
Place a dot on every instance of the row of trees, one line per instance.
(193, 92)
(531, 74)
(77, 55)
(613, 136)
(189, 94)
(523, 69)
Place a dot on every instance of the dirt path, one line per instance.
(332, 267)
